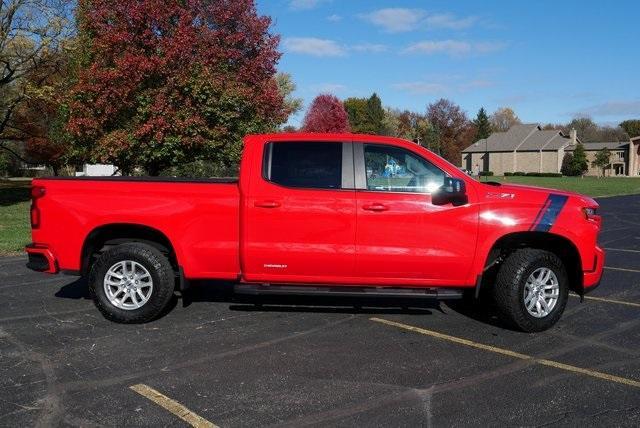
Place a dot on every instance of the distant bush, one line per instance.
(486, 173)
(543, 174)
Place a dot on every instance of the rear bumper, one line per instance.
(41, 259)
(592, 278)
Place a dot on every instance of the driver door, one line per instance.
(401, 237)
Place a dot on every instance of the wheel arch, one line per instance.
(559, 245)
(111, 234)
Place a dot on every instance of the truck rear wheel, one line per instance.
(131, 283)
(531, 289)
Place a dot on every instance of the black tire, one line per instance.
(509, 289)
(158, 267)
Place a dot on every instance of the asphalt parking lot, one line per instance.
(300, 362)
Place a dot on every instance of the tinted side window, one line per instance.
(393, 169)
(302, 164)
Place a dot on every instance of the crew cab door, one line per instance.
(299, 214)
(402, 237)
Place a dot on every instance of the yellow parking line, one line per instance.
(621, 269)
(618, 302)
(494, 349)
(173, 406)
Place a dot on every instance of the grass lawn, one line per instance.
(591, 186)
(15, 230)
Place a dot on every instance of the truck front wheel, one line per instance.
(531, 289)
(131, 283)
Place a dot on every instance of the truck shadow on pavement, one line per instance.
(222, 292)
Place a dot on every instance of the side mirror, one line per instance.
(452, 191)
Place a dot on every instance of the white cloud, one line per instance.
(612, 108)
(370, 47)
(421, 88)
(454, 48)
(449, 21)
(304, 4)
(395, 20)
(334, 18)
(313, 46)
(442, 85)
(332, 88)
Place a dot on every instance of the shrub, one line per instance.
(543, 174)
(486, 173)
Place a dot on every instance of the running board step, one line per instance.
(430, 293)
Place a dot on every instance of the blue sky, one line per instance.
(548, 60)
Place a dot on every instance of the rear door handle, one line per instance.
(375, 207)
(267, 204)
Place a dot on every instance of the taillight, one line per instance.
(37, 192)
(590, 214)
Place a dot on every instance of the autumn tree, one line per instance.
(163, 82)
(589, 131)
(631, 127)
(585, 127)
(33, 34)
(602, 160)
(451, 127)
(326, 114)
(503, 119)
(482, 124)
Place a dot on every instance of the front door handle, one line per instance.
(267, 204)
(375, 207)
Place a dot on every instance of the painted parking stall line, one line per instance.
(602, 299)
(502, 351)
(624, 250)
(172, 406)
(621, 269)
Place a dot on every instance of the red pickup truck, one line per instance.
(321, 213)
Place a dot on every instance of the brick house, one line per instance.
(529, 148)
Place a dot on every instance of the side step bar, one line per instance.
(269, 289)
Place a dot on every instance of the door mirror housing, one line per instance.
(453, 191)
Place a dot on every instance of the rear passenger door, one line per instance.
(299, 215)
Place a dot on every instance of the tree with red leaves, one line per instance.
(326, 114)
(165, 82)
(453, 130)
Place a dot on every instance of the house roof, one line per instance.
(613, 145)
(525, 137)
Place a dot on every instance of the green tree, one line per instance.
(567, 165)
(357, 110)
(366, 115)
(602, 160)
(579, 161)
(631, 127)
(483, 126)
(287, 87)
(375, 114)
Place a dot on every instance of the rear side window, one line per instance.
(304, 164)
